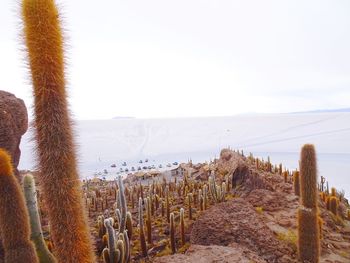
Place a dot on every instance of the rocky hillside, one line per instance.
(260, 223)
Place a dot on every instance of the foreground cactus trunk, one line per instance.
(14, 219)
(308, 223)
(53, 133)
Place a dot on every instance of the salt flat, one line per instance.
(104, 142)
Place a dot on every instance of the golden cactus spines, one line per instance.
(333, 192)
(14, 218)
(308, 176)
(296, 183)
(53, 132)
(308, 223)
(333, 205)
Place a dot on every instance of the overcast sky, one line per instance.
(161, 58)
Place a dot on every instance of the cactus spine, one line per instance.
(53, 133)
(42, 251)
(308, 223)
(14, 219)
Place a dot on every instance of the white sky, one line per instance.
(161, 58)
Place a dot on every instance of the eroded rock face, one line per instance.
(13, 124)
(237, 221)
(235, 165)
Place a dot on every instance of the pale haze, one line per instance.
(193, 58)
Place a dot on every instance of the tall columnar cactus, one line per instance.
(101, 226)
(122, 203)
(14, 219)
(285, 176)
(190, 199)
(111, 240)
(333, 192)
(167, 204)
(172, 234)
(182, 226)
(296, 183)
(147, 202)
(129, 225)
(333, 205)
(53, 133)
(308, 224)
(205, 197)
(30, 192)
(141, 229)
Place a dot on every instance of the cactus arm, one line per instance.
(42, 251)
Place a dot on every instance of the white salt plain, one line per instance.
(280, 136)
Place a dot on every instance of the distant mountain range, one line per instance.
(255, 113)
(122, 117)
(325, 110)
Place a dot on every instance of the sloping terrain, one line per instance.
(260, 224)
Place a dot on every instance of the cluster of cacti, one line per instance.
(61, 186)
(217, 192)
(118, 250)
(267, 166)
(118, 242)
(159, 199)
(53, 133)
(308, 223)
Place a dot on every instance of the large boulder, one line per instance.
(13, 124)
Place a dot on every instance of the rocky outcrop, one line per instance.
(13, 124)
(241, 172)
(238, 222)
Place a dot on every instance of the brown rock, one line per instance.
(270, 201)
(237, 221)
(13, 124)
(210, 254)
